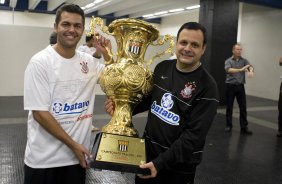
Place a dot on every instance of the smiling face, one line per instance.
(69, 30)
(189, 49)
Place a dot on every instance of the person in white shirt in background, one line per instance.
(89, 48)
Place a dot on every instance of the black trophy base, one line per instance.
(108, 154)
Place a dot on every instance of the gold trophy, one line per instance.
(126, 81)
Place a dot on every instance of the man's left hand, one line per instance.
(152, 168)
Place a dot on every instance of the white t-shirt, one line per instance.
(86, 49)
(65, 88)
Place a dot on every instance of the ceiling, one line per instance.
(113, 9)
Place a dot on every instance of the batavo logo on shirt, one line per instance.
(163, 111)
(76, 108)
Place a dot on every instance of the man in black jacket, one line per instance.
(181, 107)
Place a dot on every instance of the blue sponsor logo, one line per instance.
(57, 107)
(75, 108)
(163, 111)
(167, 101)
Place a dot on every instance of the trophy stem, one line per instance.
(121, 122)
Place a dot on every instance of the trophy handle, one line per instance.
(99, 21)
(169, 50)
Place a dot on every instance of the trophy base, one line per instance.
(119, 153)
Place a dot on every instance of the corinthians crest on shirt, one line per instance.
(84, 67)
(163, 111)
(188, 90)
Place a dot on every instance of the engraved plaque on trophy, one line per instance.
(125, 80)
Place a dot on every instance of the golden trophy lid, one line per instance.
(134, 23)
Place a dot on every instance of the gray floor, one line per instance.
(229, 158)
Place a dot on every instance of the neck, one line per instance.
(187, 68)
(64, 52)
(236, 57)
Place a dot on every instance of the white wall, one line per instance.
(23, 34)
(18, 44)
(171, 24)
(261, 38)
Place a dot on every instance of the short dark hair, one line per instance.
(88, 37)
(236, 44)
(72, 8)
(193, 26)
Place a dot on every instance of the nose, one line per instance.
(188, 47)
(71, 28)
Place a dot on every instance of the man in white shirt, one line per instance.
(59, 93)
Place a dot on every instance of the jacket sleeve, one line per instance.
(195, 128)
(144, 105)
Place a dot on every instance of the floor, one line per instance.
(229, 158)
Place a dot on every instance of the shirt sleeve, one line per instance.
(36, 87)
(144, 105)
(227, 65)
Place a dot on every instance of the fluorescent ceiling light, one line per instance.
(98, 1)
(161, 13)
(2, 1)
(176, 10)
(193, 7)
(90, 5)
(148, 15)
(170, 12)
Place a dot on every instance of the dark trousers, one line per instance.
(280, 109)
(237, 91)
(73, 174)
(168, 178)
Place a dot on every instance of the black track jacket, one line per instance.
(181, 107)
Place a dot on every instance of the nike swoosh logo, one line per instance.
(163, 77)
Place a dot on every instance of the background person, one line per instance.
(89, 48)
(53, 38)
(236, 67)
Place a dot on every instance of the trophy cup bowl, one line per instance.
(126, 81)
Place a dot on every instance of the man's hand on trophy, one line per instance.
(152, 168)
(101, 43)
(109, 106)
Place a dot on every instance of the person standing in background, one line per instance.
(236, 67)
(89, 48)
(279, 134)
(53, 38)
